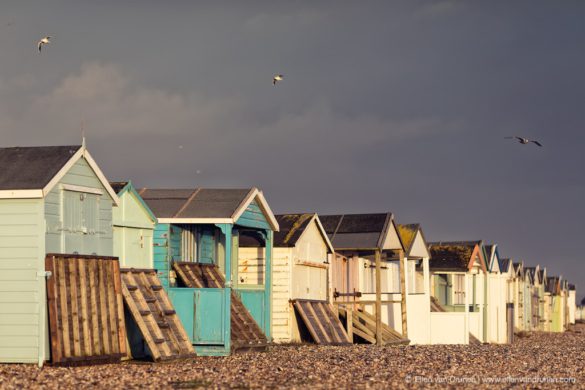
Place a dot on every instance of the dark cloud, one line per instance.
(397, 106)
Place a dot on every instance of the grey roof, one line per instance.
(291, 227)
(118, 185)
(32, 168)
(194, 203)
(451, 256)
(504, 264)
(355, 231)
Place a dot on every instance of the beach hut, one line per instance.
(221, 292)
(507, 273)
(535, 307)
(417, 283)
(519, 296)
(367, 270)
(557, 311)
(301, 308)
(458, 283)
(496, 297)
(572, 303)
(53, 199)
(134, 225)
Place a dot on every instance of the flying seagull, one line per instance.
(524, 141)
(276, 78)
(44, 41)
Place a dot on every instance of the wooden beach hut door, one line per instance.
(209, 309)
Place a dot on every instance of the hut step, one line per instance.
(169, 312)
(145, 312)
(156, 287)
(131, 287)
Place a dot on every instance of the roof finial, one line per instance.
(83, 134)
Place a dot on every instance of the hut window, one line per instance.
(458, 289)
(189, 243)
(80, 212)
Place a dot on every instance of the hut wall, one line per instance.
(309, 271)
(282, 311)
(78, 221)
(133, 233)
(22, 286)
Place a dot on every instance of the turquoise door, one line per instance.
(209, 316)
(207, 246)
(183, 300)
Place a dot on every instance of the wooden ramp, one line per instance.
(86, 312)
(323, 324)
(154, 315)
(364, 327)
(436, 306)
(245, 332)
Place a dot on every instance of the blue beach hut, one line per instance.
(223, 300)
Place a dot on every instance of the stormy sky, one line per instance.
(399, 106)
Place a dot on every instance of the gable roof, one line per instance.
(553, 285)
(32, 172)
(505, 264)
(359, 231)
(408, 233)
(32, 168)
(455, 255)
(121, 187)
(492, 257)
(204, 205)
(291, 228)
(518, 268)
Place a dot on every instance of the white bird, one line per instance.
(277, 78)
(524, 141)
(44, 41)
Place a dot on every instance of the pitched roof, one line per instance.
(518, 268)
(450, 258)
(291, 228)
(452, 255)
(356, 231)
(552, 284)
(209, 205)
(194, 203)
(531, 271)
(118, 185)
(32, 168)
(504, 264)
(408, 234)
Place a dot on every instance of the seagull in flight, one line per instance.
(277, 78)
(44, 41)
(524, 141)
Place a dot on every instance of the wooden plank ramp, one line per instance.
(436, 305)
(154, 315)
(323, 324)
(245, 332)
(86, 312)
(364, 327)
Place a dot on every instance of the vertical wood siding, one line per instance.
(21, 291)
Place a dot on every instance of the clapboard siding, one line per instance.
(99, 240)
(253, 217)
(251, 266)
(281, 312)
(21, 291)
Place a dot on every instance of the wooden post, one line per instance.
(403, 293)
(378, 256)
(349, 322)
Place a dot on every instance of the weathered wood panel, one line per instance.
(322, 322)
(155, 316)
(86, 320)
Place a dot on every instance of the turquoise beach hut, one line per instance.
(223, 299)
